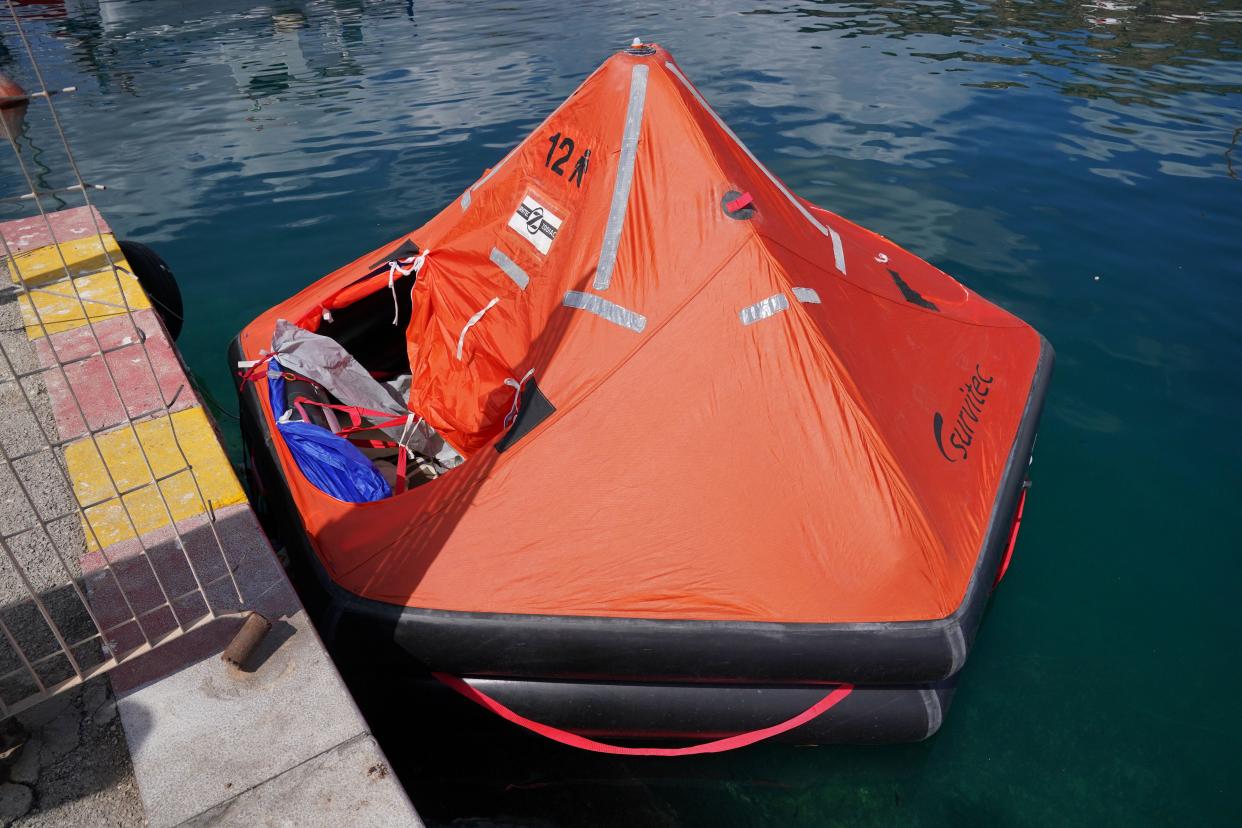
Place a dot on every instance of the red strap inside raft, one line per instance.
(356, 413)
(256, 370)
(1013, 539)
(574, 740)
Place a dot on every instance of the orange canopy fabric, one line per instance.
(762, 411)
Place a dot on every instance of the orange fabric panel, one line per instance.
(696, 467)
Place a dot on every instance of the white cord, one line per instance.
(516, 385)
(394, 268)
(461, 338)
(405, 432)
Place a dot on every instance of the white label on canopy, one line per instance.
(535, 223)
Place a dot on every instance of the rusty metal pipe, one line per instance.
(247, 640)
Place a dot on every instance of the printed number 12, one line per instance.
(565, 143)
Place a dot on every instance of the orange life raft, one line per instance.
(716, 439)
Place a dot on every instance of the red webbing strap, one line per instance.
(395, 421)
(362, 442)
(398, 485)
(356, 413)
(574, 740)
(1013, 539)
(253, 372)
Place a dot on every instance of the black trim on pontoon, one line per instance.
(615, 711)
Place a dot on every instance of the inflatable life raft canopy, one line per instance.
(710, 431)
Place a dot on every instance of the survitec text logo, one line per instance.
(961, 436)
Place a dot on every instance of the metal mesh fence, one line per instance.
(75, 603)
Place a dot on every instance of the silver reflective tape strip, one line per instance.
(806, 296)
(470, 323)
(762, 310)
(465, 200)
(510, 268)
(625, 177)
(604, 309)
(838, 253)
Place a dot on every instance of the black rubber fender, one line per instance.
(157, 279)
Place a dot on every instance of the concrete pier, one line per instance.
(168, 571)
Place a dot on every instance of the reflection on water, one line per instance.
(1074, 161)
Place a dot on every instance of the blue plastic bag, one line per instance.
(332, 463)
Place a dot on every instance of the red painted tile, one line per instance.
(132, 366)
(66, 225)
(76, 343)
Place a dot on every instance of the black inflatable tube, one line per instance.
(624, 711)
(597, 649)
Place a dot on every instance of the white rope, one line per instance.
(516, 385)
(470, 323)
(394, 268)
(405, 434)
(403, 267)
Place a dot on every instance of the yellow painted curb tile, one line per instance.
(43, 264)
(124, 460)
(62, 304)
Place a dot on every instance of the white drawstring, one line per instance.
(516, 385)
(394, 268)
(470, 323)
(412, 264)
(396, 309)
(405, 434)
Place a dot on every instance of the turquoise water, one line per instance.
(1074, 162)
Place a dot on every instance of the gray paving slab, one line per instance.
(33, 486)
(200, 736)
(346, 785)
(74, 768)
